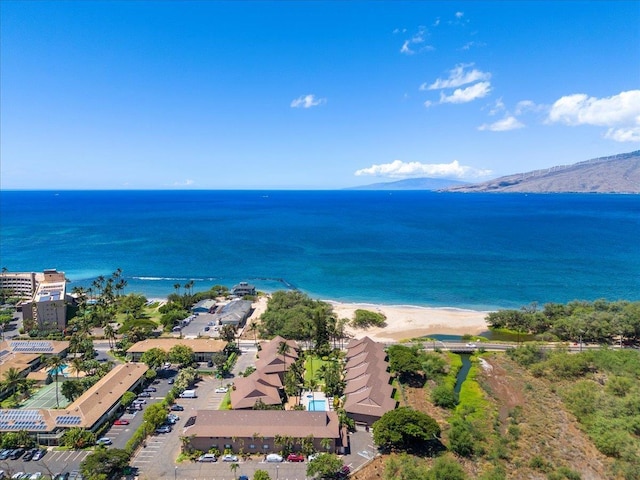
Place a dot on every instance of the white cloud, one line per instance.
(307, 101)
(525, 106)
(406, 49)
(458, 77)
(506, 124)
(498, 107)
(621, 111)
(465, 95)
(428, 103)
(400, 169)
(624, 134)
(580, 109)
(417, 40)
(459, 14)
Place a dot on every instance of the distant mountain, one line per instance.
(615, 174)
(424, 183)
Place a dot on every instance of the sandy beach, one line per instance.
(404, 321)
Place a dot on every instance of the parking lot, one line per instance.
(53, 462)
(197, 325)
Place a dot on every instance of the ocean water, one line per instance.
(477, 251)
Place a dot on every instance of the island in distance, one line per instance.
(615, 174)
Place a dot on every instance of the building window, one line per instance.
(227, 445)
(252, 446)
(265, 446)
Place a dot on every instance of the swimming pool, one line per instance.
(317, 406)
(59, 370)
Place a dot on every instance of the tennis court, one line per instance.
(46, 398)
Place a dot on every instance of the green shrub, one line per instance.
(444, 396)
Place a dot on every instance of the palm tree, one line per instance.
(110, 333)
(312, 384)
(253, 328)
(56, 363)
(177, 287)
(283, 349)
(234, 466)
(13, 379)
(326, 444)
(77, 363)
(120, 284)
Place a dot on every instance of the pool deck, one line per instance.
(308, 397)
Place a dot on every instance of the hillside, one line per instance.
(615, 174)
(424, 183)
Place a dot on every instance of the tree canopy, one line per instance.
(324, 466)
(405, 429)
(599, 321)
(103, 463)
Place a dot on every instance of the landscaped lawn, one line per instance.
(311, 366)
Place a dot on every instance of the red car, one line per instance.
(294, 457)
(121, 422)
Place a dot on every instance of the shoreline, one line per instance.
(411, 321)
(402, 321)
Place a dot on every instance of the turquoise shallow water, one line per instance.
(477, 251)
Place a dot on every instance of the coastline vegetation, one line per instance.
(600, 321)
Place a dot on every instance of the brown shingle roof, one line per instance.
(368, 390)
(93, 403)
(266, 423)
(257, 386)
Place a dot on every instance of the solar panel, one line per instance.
(27, 346)
(68, 420)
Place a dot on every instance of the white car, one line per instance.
(274, 457)
(104, 441)
(230, 458)
(222, 390)
(207, 457)
(472, 345)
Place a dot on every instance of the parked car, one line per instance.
(38, 454)
(28, 455)
(295, 457)
(17, 475)
(163, 429)
(61, 476)
(4, 454)
(207, 328)
(173, 416)
(343, 473)
(150, 389)
(35, 476)
(207, 457)
(243, 477)
(230, 458)
(17, 453)
(104, 441)
(274, 457)
(144, 394)
(177, 408)
(139, 401)
(222, 390)
(171, 381)
(121, 422)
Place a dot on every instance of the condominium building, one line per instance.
(18, 284)
(47, 309)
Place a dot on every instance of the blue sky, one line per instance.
(200, 95)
